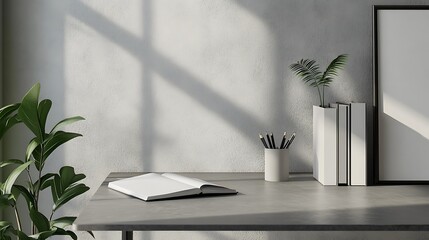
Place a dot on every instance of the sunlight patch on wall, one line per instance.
(103, 83)
(406, 115)
(220, 44)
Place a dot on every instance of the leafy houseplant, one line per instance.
(64, 185)
(308, 71)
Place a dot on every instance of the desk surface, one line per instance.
(301, 204)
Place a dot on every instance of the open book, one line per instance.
(153, 186)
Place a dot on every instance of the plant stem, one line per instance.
(18, 219)
(37, 192)
(29, 176)
(52, 214)
(323, 95)
(39, 176)
(33, 227)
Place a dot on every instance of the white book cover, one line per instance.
(325, 145)
(153, 186)
(358, 144)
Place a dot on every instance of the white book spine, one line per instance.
(358, 144)
(342, 143)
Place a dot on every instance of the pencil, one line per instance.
(269, 141)
(263, 140)
(290, 140)
(272, 139)
(283, 140)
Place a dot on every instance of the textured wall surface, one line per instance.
(184, 85)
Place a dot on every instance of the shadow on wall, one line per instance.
(315, 29)
(154, 62)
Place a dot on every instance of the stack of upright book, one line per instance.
(350, 163)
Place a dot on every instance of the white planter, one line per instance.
(325, 145)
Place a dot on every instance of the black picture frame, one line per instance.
(376, 138)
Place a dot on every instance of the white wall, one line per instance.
(182, 85)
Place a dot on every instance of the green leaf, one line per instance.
(332, 70)
(61, 231)
(307, 70)
(91, 233)
(29, 198)
(8, 110)
(43, 183)
(37, 155)
(23, 236)
(54, 232)
(57, 139)
(39, 220)
(57, 187)
(28, 111)
(71, 234)
(52, 142)
(5, 200)
(54, 194)
(4, 224)
(15, 193)
(7, 187)
(7, 123)
(9, 162)
(68, 177)
(69, 194)
(30, 148)
(3, 236)
(64, 187)
(44, 235)
(5, 229)
(43, 110)
(63, 222)
(65, 122)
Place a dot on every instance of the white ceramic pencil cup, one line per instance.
(276, 165)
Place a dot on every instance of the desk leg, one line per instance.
(127, 235)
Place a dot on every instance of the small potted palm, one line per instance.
(324, 117)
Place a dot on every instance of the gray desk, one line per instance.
(300, 204)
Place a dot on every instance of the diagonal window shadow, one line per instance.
(184, 80)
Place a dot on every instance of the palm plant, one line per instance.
(64, 185)
(308, 71)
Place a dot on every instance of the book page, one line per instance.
(206, 187)
(195, 182)
(153, 186)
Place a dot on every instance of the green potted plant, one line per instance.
(64, 185)
(324, 118)
(309, 72)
